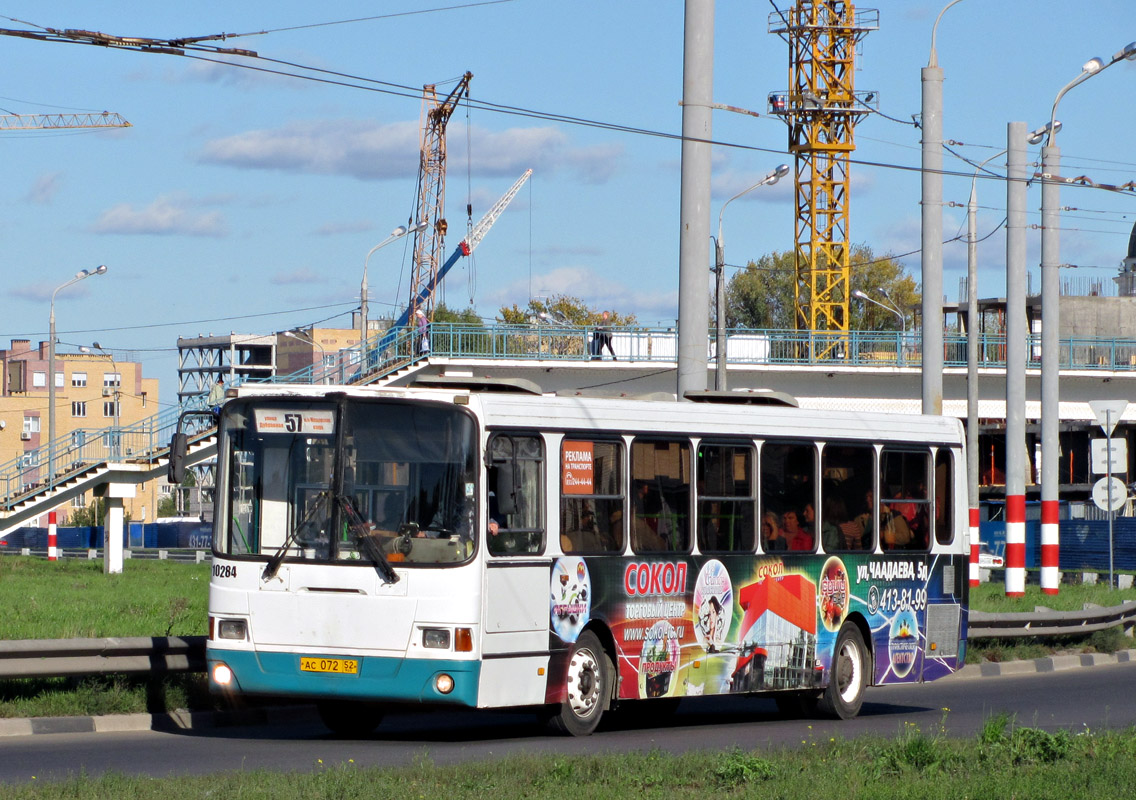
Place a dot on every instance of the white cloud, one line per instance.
(594, 290)
(370, 151)
(336, 228)
(44, 189)
(303, 275)
(166, 216)
(356, 149)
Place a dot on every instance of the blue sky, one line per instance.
(244, 201)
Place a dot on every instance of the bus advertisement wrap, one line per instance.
(701, 626)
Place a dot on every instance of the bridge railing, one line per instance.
(85, 448)
(385, 353)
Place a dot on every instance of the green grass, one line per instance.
(72, 598)
(991, 597)
(1004, 760)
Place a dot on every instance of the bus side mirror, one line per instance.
(506, 489)
(178, 446)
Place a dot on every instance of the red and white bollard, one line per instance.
(1015, 545)
(975, 546)
(52, 549)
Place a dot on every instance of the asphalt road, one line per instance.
(1097, 697)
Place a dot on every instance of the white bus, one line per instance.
(476, 547)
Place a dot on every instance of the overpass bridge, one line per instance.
(863, 370)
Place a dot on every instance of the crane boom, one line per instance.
(464, 248)
(27, 122)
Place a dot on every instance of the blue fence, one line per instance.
(1084, 543)
(165, 535)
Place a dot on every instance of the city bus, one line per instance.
(481, 544)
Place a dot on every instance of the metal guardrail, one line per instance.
(1050, 623)
(62, 658)
(48, 658)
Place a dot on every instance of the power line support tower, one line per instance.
(429, 243)
(821, 109)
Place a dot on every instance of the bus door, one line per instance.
(515, 612)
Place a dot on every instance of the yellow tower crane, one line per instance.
(26, 122)
(821, 109)
(429, 243)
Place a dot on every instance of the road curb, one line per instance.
(992, 669)
(179, 720)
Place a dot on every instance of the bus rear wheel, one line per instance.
(848, 676)
(349, 718)
(587, 688)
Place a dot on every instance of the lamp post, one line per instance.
(116, 381)
(720, 280)
(972, 357)
(932, 226)
(397, 233)
(80, 275)
(310, 340)
(1051, 323)
(892, 309)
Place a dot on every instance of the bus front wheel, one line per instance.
(848, 676)
(587, 687)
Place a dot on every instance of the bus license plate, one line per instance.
(339, 666)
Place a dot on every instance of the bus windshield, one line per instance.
(347, 480)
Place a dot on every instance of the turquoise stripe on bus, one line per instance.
(394, 679)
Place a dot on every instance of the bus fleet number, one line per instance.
(224, 571)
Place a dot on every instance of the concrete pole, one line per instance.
(1016, 359)
(720, 381)
(114, 493)
(694, 213)
(972, 379)
(1050, 362)
(932, 239)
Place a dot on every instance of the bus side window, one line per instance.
(944, 512)
(846, 481)
(660, 496)
(727, 503)
(788, 485)
(905, 505)
(516, 495)
(591, 497)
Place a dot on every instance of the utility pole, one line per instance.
(694, 211)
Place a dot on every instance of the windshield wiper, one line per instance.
(273, 565)
(358, 526)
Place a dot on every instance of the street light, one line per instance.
(896, 311)
(80, 275)
(931, 115)
(720, 280)
(1051, 323)
(310, 340)
(972, 345)
(397, 233)
(116, 381)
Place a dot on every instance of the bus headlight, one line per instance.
(438, 638)
(444, 684)
(222, 675)
(232, 629)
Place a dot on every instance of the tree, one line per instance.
(167, 506)
(92, 516)
(562, 307)
(467, 317)
(763, 295)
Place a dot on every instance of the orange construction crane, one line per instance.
(429, 243)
